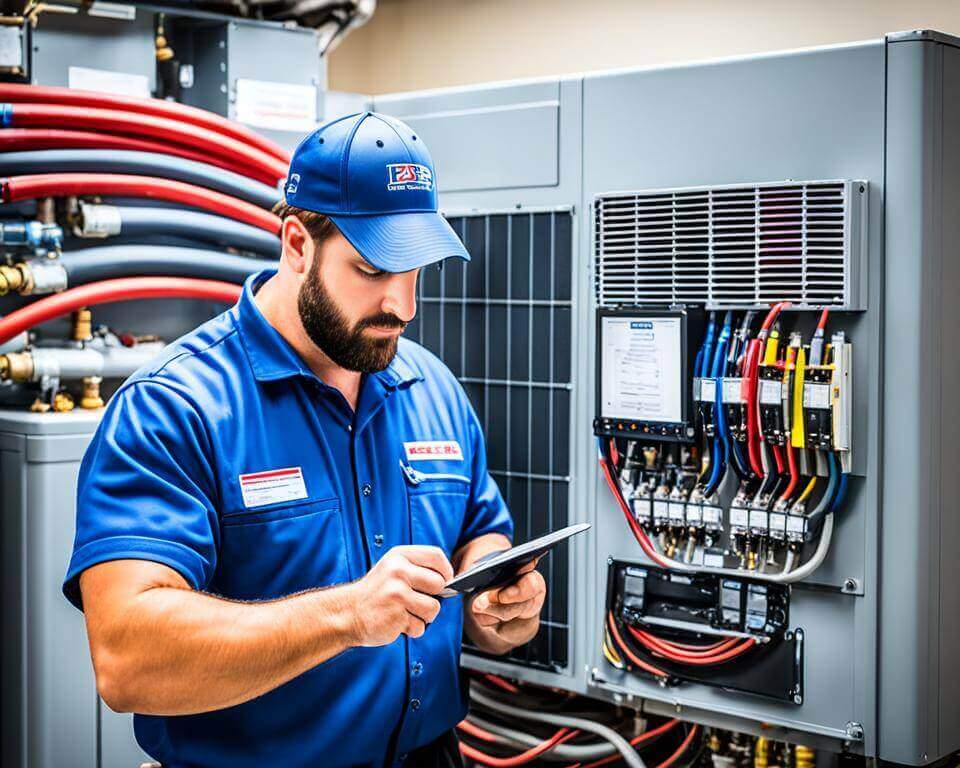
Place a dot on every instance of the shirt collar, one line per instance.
(271, 356)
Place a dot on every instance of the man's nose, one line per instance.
(401, 297)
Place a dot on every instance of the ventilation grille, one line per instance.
(731, 245)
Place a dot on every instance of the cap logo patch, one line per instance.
(292, 183)
(409, 176)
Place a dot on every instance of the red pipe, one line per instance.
(16, 139)
(32, 186)
(166, 129)
(18, 93)
(108, 291)
(476, 731)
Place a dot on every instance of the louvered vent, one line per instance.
(732, 245)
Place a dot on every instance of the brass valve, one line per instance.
(82, 325)
(804, 757)
(63, 402)
(16, 366)
(12, 279)
(91, 399)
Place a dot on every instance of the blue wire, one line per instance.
(721, 445)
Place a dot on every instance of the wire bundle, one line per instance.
(515, 725)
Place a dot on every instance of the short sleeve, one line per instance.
(487, 512)
(146, 488)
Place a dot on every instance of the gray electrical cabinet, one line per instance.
(879, 618)
(52, 714)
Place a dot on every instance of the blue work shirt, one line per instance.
(229, 461)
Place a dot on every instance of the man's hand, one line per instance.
(394, 597)
(499, 620)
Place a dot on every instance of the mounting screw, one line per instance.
(855, 732)
(862, 188)
(788, 636)
(609, 561)
(798, 699)
(851, 585)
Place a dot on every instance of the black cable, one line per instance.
(95, 264)
(140, 164)
(142, 221)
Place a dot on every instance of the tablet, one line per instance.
(500, 568)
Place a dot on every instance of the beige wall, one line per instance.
(414, 44)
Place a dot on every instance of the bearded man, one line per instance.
(268, 513)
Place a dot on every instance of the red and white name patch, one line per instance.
(433, 450)
(272, 486)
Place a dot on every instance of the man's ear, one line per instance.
(298, 245)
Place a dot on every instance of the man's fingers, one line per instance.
(429, 557)
(422, 579)
(499, 612)
(523, 589)
(415, 627)
(423, 607)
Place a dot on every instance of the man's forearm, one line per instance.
(176, 651)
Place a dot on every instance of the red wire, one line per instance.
(564, 734)
(501, 683)
(614, 453)
(18, 93)
(32, 186)
(636, 660)
(707, 651)
(823, 319)
(476, 731)
(163, 128)
(705, 660)
(645, 544)
(681, 749)
(636, 741)
(106, 291)
(778, 457)
(794, 476)
(750, 384)
(14, 139)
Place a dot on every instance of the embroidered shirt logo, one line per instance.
(433, 450)
(409, 176)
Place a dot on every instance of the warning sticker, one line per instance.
(272, 487)
(280, 106)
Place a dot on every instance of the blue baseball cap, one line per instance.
(373, 177)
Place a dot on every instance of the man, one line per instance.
(267, 513)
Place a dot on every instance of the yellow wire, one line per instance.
(773, 346)
(797, 436)
(808, 490)
(612, 656)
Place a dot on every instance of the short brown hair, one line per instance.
(318, 225)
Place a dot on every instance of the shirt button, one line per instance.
(414, 704)
(417, 668)
(378, 539)
(367, 489)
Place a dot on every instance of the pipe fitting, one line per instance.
(91, 399)
(98, 221)
(82, 325)
(12, 279)
(17, 366)
(63, 402)
(42, 276)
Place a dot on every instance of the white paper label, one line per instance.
(816, 395)
(676, 511)
(731, 390)
(272, 487)
(694, 514)
(697, 389)
(708, 390)
(121, 83)
(641, 509)
(661, 510)
(280, 106)
(739, 517)
(771, 391)
(796, 524)
(758, 519)
(778, 522)
(712, 515)
(433, 450)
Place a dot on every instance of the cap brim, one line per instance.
(399, 242)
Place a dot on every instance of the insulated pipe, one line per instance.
(127, 123)
(16, 139)
(109, 291)
(17, 188)
(141, 164)
(14, 92)
(113, 261)
(72, 363)
(132, 221)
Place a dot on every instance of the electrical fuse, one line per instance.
(694, 512)
(778, 526)
(818, 406)
(796, 527)
(756, 607)
(739, 519)
(842, 390)
(759, 521)
(661, 511)
(770, 397)
(676, 512)
(730, 601)
(643, 507)
(708, 396)
(732, 389)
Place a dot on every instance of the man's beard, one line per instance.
(327, 327)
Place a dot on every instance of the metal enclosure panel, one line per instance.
(800, 115)
(116, 45)
(563, 195)
(51, 714)
(919, 705)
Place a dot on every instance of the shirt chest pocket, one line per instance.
(276, 551)
(438, 504)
